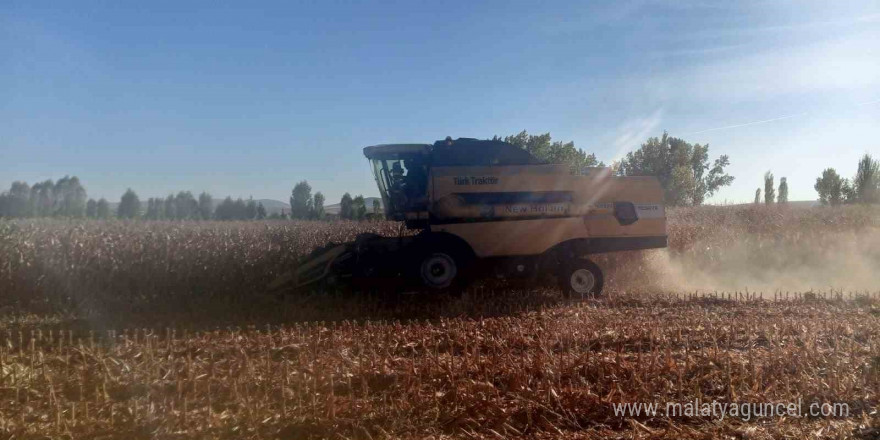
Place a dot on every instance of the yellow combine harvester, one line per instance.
(489, 206)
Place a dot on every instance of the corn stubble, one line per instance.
(500, 362)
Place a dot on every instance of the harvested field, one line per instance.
(160, 330)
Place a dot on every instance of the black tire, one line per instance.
(442, 270)
(580, 278)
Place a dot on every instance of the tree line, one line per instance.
(305, 206)
(66, 197)
(833, 190)
(770, 196)
(685, 171)
(863, 188)
(185, 206)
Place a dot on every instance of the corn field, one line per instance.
(161, 330)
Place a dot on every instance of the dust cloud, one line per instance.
(830, 256)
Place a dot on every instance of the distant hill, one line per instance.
(272, 206)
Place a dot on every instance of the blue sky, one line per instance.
(249, 98)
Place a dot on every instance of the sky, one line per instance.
(248, 98)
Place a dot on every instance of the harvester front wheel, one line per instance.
(443, 270)
(438, 270)
(581, 278)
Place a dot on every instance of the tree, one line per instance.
(831, 187)
(4, 205)
(206, 206)
(129, 205)
(70, 197)
(250, 209)
(185, 206)
(683, 169)
(240, 209)
(318, 205)
(769, 192)
(758, 196)
(542, 147)
(866, 183)
(345, 207)
(91, 208)
(261, 211)
(225, 210)
(848, 193)
(377, 207)
(783, 191)
(103, 209)
(65, 198)
(300, 200)
(153, 206)
(43, 198)
(18, 200)
(237, 209)
(359, 208)
(169, 206)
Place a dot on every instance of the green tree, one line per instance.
(831, 188)
(261, 211)
(544, 148)
(236, 209)
(240, 209)
(318, 205)
(206, 206)
(769, 191)
(103, 209)
(377, 207)
(866, 183)
(70, 197)
(43, 197)
(18, 200)
(129, 205)
(300, 200)
(225, 210)
(169, 207)
(91, 208)
(185, 206)
(683, 169)
(153, 205)
(359, 208)
(849, 194)
(758, 196)
(783, 191)
(345, 207)
(250, 209)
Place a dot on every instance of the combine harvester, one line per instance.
(489, 207)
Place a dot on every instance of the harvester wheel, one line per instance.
(581, 278)
(438, 270)
(443, 270)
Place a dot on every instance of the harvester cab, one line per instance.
(401, 173)
(489, 206)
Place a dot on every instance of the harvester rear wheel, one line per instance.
(580, 278)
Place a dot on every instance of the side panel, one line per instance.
(525, 210)
(519, 237)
